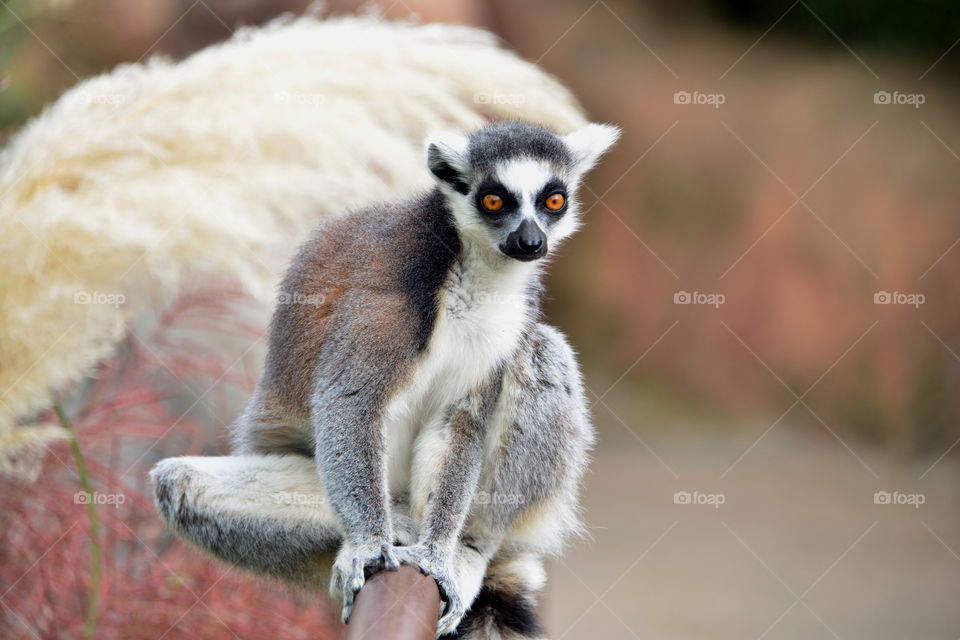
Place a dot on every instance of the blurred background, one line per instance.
(765, 299)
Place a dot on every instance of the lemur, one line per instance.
(413, 408)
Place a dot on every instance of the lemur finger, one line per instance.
(347, 606)
(449, 622)
(419, 567)
(390, 561)
(356, 577)
(336, 582)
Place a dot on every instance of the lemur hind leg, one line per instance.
(269, 425)
(267, 514)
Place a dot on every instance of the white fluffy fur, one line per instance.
(590, 142)
(281, 487)
(452, 145)
(220, 164)
(483, 310)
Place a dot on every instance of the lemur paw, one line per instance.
(353, 564)
(440, 568)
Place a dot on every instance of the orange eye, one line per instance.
(555, 202)
(492, 202)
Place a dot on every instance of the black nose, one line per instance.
(526, 242)
(530, 243)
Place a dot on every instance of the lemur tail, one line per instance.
(505, 608)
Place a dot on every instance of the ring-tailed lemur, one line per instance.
(408, 366)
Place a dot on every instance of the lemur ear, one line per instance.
(590, 142)
(447, 159)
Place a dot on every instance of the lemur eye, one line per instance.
(555, 202)
(492, 202)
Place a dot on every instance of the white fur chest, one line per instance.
(481, 316)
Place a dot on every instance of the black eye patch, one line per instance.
(495, 187)
(552, 187)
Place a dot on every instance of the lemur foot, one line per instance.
(440, 568)
(353, 564)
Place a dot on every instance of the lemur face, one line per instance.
(512, 186)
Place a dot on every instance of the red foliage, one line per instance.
(142, 406)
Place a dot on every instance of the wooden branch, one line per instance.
(396, 605)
